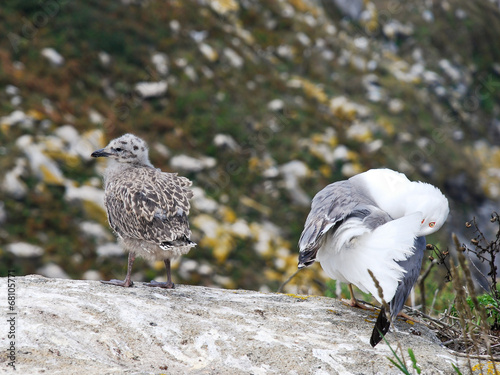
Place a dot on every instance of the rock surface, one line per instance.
(74, 327)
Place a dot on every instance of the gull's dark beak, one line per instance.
(100, 153)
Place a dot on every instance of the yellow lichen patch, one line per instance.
(253, 163)
(273, 275)
(217, 236)
(98, 134)
(207, 224)
(310, 89)
(95, 136)
(224, 6)
(303, 7)
(360, 133)
(37, 115)
(388, 126)
(225, 282)
(332, 140)
(209, 52)
(314, 91)
(326, 170)
(317, 138)
(352, 155)
(316, 151)
(242, 33)
(329, 137)
(283, 259)
(49, 177)
(249, 202)
(95, 212)
(223, 246)
(302, 281)
(18, 73)
(4, 127)
(351, 169)
(489, 367)
(158, 265)
(228, 215)
(343, 109)
(370, 21)
(71, 160)
(297, 296)
(489, 167)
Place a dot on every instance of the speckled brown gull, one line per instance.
(146, 208)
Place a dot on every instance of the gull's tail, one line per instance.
(381, 327)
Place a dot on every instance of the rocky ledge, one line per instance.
(74, 327)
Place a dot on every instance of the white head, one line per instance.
(126, 149)
(431, 203)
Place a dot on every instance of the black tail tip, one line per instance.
(376, 338)
(381, 328)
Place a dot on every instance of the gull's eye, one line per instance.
(432, 224)
(118, 149)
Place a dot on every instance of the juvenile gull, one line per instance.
(377, 221)
(146, 208)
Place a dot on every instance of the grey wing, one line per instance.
(150, 206)
(329, 208)
(412, 265)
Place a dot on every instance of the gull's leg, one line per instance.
(354, 302)
(168, 284)
(127, 282)
(407, 317)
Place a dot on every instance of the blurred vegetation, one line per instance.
(431, 138)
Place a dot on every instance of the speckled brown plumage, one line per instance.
(146, 208)
(149, 205)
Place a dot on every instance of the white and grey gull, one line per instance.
(377, 221)
(146, 208)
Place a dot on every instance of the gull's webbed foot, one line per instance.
(165, 285)
(124, 283)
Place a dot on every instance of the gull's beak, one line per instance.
(100, 153)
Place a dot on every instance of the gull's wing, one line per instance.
(412, 266)
(147, 204)
(329, 208)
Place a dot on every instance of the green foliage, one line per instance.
(398, 361)
(456, 369)
(490, 306)
(414, 361)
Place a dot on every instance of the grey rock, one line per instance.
(151, 89)
(348, 8)
(94, 230)
(225, 141)
(3, 213)
(190, 164)
(53, 56)
(12, 182)
(52, 270)
(110, 249)
(24, 249)
(74, 327)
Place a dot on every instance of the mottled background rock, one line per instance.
(260, 103)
